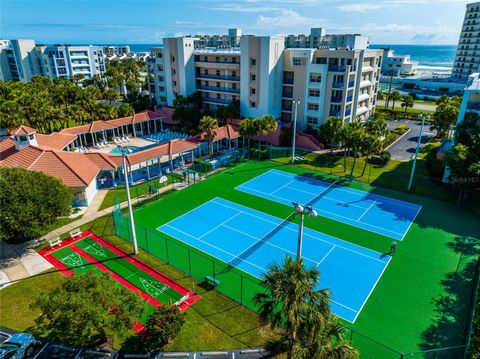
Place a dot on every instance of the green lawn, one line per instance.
(422, 300)
(135, 191)
(399, 111)
(214, 322)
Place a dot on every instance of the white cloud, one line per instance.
(363, 7)
(286, 19)
(248, 8)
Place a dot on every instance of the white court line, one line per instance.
(364, 213)
(285, 185)
(329, 198)
(371, 290)
(343, 305)
(334, 214)
(193, 209)
(211, 245)
(221, 224)
(326, 255)
(357, 192)
(413, 220)
(266, 242)
(306, 234)
(254, 178)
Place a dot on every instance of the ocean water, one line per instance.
(430, 57)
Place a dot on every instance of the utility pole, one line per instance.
(295, 103)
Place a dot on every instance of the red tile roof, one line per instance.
(74, 169)
(168, 148)
(227, 131)
(101, 160)
(22, 130)
(55, 140)
(95, 126)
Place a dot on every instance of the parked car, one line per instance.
(18, 346)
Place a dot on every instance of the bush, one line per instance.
(401, 129)
(259, 152)
(162, 326)
(389, 139)
(202, 166)
(381, 160)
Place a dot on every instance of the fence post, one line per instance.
(146, 241)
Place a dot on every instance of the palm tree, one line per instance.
(344, 134)
(291, 295)
(300, 313)
(356, 141)
(248, 128)
(406, 103)
(394, 97)
(208, 125)
(330, 130)
(370, 144)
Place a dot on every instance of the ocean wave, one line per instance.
(435, 68)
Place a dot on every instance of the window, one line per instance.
(253, 62)
(218, 96)
(218, 72)
(313, 106)
(253, 104)
(314, 93)
(172, 58)
(316, 78)
(252, 91)
(253, 77)
(234, 73)
(31, 136)
(299, 61)
(312, 120)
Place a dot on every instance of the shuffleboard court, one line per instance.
(251, 240)
(383, 215)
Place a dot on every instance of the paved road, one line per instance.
(404, 149)
(416, 106)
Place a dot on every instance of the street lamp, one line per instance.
(302, 211)
(420, 116)
(295, 103)
(124, 150)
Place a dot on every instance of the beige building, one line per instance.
(467, 58)
(340, 83)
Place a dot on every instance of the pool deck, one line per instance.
(135, 141)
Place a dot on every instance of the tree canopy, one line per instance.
(162, 326)
(83, 309)
(445, 115)
(30, 201)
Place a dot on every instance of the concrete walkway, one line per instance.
(96, 202)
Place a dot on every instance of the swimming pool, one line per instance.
(116, 151)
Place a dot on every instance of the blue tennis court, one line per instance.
(251, 240)
(387, 216)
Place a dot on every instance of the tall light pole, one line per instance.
(124, 150)
(417, 149)
(302, 211)
(295, 103)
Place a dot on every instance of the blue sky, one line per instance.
(121, 21)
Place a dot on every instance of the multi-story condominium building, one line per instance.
(156, 76)
(231, 39)
(318, 39)
(397, 64)
(19, 60)
(22, 59)
(467, 58)
(341, 83)
(116, 50)
(266, 77)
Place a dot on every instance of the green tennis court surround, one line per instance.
(423, 299)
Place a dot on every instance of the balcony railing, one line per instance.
(337, 68)
(337, 85)
(216, 100)
(351, 83)
(335, 99)
(218, 61)
(286, 107)
(219, 89)
(334, 113)
(218, 77)
(473, 106)
(348, 113)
